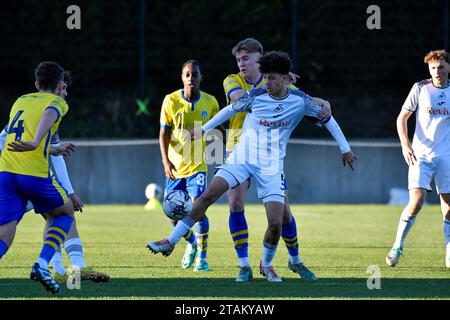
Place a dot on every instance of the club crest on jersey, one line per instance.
(204, 114)
(278, 108)
(442, 96)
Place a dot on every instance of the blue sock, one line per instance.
(239, 233)
(190, 237)
(289, 234)
(56, 234)
(3, 248)
(202, 230)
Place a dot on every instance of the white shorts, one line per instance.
(421, 173)
(270, 187)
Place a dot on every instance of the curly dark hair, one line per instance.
(68, 77)
(275, 61)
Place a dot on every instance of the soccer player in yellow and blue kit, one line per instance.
(25, 172)
(187, 170)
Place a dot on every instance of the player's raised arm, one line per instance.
(236, 94)
(241, 105)
(48, 119)
(325, 107)
(313, 113)
(347, 155)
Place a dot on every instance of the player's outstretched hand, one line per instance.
(294, 77)
(348, 158)
(408, 154)
(77, 203)
(169, 169)
(64, 149)
(22, 146)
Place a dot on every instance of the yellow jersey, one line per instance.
(179, 115)
(232, 83)
(24, 118)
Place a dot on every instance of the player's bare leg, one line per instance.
(213, 192)
(445, 209)
(7, 234)
(274, 213)
(407, 219)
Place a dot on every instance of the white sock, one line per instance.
(295, 259)
(57, 262)
(405, 224)
(182, 227)
(447, 233)
(74, 250)
(42, 263)
(243, 262)
(268, 254)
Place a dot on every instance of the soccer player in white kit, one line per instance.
(429, 154)
(273, 111)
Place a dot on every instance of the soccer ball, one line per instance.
(177, 205)
(152, 191)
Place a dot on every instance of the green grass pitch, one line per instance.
(338, 242)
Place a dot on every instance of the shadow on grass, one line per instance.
(213, 288)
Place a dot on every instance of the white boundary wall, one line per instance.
(117, 171)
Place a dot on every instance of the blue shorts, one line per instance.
(194, 185)
(46, 194)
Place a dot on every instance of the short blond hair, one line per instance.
(436, 55)
(249, 44)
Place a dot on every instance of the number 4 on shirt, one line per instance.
(19, 130)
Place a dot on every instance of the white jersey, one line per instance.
(3, 136)
(432, 133)
(268, 125)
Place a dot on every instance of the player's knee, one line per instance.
(275, 225)
(66, 209)
(415, 206)
(236, 204)
(208, 198)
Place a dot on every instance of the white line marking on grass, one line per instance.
(336, 284)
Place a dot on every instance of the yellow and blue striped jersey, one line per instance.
(24, 118)
(179, 114)
(232, 83)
